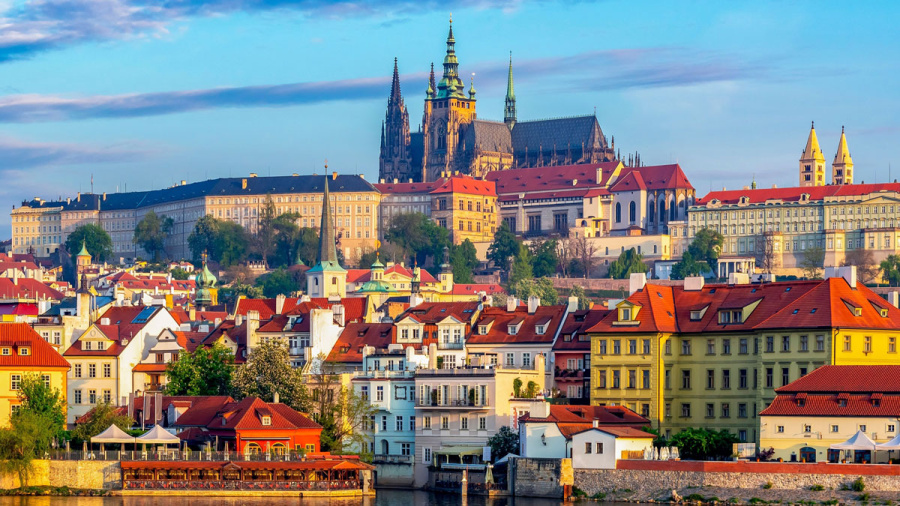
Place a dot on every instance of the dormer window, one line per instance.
(842, 403)
(625, 314)
(266, 420)
(5, 352)
(513, 329)
(540, 329)
(731, 316)
(24, 351)
(857, 311)
(696, 315)
(101, 345)
(88, 345)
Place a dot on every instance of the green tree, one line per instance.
(517, 387)
(286, 240)
(28, 436)
(99, 419)
(864, 260)
(180, 274)
(225, 241)
(704, 444)
(464, 260)
(265, 228)
(504, 442)
(203, 237)
(890, 270)
(419, 237)
(308, 246)
(151, 233)
(268, 371)
(38, 398)
(630, 261)
(521, 268)
(342, 413)
(277, 282)
(688, 266)
(504, 247)
(584, 302)
(812, 261)
(541, 288)
(95, 239)
(544, 258)
(706, 247)
(205, 371)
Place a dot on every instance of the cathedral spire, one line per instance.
(395, 84)
(451, 85)
(509, 115)
(429, 92)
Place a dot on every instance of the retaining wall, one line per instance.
(87, 474)
(541, 477)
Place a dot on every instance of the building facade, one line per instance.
(23, 353)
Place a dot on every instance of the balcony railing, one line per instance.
(384, 374)
(392, 459)
(451, 346)
(570, 374)
(453, 403)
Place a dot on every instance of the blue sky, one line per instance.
(145, 93)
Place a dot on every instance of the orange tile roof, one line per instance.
(348, 348)
(41, 354)
(467, 185)
(27, 288)
(550, 316)
(793, 194)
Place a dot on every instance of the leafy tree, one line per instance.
(95, 239)
(28, 436)
(464, 260)
(517, 388)
(99, 419)
(706, 246)
(151, 232)
(544, 258)
(265, 228)
(504, 442)
(688, 266)
(531, 390)
(630, 261)
(419, 237)
(564, 256)
(704, 444)
(864, 260)
(268, 371)
(205, 371)
(504, 247)
(277, 282)
(38, 398)
(812, 261)
(225, 241)
(308, 245)
(179, 273)
(342, 413)
(203, 237)
(521, 268)
(890, 270)
(540, 287)
(583, 301)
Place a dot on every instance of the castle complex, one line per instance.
(453, 139)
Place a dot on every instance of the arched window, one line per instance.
(333, 281)
(672, 211)
(316, 281)
(632, 210)
(662, 211)
(618, 212)
(651, 212)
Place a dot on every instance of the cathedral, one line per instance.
(453, 139)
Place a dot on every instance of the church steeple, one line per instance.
(327, 249)
(509, 115)
(429, 92)
(395, 86)
(327, 278)
(812, 162)
(842, 166)
(395, 160)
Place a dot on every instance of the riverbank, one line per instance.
(744, 496)
(55, 491)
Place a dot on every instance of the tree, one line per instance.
(583, 301)
(704, 444)
(890, 270)
(706, 246)
(94, 238)
(268, 371)
(544, 258)
(464, 260)
(564, 256)
(521, 268)
(765, 252)
(225, 241)
(151, 232)
(277, 282)
(504, 442)
(37, 397)
(584, 250)
(812, 261)
(180, 274)
(419, 237)
(265, 229)
(688, 266)
(203, 237)
(28, 436)
(342, 413)
(540, 287)
(205, 371)
(864, 260)
(629, 262)
(286, 240)
(504, 247)
(99, 419)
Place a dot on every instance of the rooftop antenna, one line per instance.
(92, 183)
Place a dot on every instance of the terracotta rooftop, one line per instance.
(793, 194)
(20, 335)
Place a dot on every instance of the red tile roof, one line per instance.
(605, 415)
(848, 378)
(623, 432)
(652, 177)
(793, 194)
(830, 405)
(500, 320)
(123, 325)
(41, 354)
(265, 307)
(629, 181)
(434, 312)
(27, 288)
(247, 414)
(467, 185)
(577, 324)
(348, 348)
(557, 179)
(203, 410)
(355, 308)
(474, 288)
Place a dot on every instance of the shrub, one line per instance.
(768, 485)
(817, 488)
(863, 497)
(695, 497)
(858, 485)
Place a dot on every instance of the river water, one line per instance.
(383, 498)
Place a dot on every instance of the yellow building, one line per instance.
(22, 353)
(467, 207)
(829, 406)
(712, 355)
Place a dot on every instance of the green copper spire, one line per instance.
(84, 251)
(472, 88)
(451, 85)
(509, 115)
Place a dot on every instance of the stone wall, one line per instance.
(605, 283)
(541, 477)
(86, 474)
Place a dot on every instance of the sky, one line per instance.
(142, 94)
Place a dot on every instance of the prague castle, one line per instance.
(453, 139)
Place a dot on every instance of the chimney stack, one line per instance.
(279, 303)
(533, 303)
(511, 304)
(636, 282)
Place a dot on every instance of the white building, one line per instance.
(601, 447)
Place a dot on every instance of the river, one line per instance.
(383, 498)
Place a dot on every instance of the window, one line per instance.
(862, 428)
(867, 344)
(846, 343)
(464, 423)
(384, 424)
(426, 423)
(601, 379)
(742, 378)
(602, 347)
(835, 428)
(785, 376)
(77, 370)
(398, 424)
(686, 410)
(785, 343)
(647, 346)
(510, 359)
(15, 380)
(107, 370)
(820, 343)
(445, 423)
(726, 410)
(617, 347)
(742, 349)
(804, 343)
(726, 378)
(710, 410)
(710, 379)
(891, 427)
(726, 346)
(685, 347)
(482, 423)
(379, 393)
(92, 397)
(77, 396)
(769, 380)
(526, 359)
(364, 392)
(405, 449)
(892, 345)
(710, 347)
(24, 351)
(632, 378)
(588, 447)
(632, 346)
(686, 379)
(742, 410)
(426, 455)
(668, 379)
(92, 370)
(646, 379)
(770, 344)
(616, 380)
(599, 448)
(266, 420)
(779, 429)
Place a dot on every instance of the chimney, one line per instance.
(636, 282)
(279, 303)
(333, 176)
(539, 364)
(243, 184)
(253, 174)
(596, 423)
(252, 326)
(511, 304)
(183, 182)
(415, 299)
(894, 298)
(533, 303)
(573, 304)
(738, 278)
(693, 283)
(395, 180)
(381, 180)
(104, 195)
(275, 398)
(338, 314)
(410, 180)
(192, 314)
(238, 320)
(574, 182)
(848, 272)
(432, 356)
(78, 198)
(218, 322)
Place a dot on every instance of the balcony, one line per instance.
(384, 374)
(453, 403)
(392, 459)
(451, 346)
(570, 375)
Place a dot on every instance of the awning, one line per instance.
(893, 444)
(859, 441)
(158, 435)
(112, 435)
(460, 450)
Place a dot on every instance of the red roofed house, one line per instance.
(249, 426)
(646, 199)
(104, 356)
(24, 352)
(571, 358)
(467, 207)
(829, 406)
(445, 324)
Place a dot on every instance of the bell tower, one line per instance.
(812, 161)
(842, 166)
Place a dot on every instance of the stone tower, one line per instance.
(812, 162)
(447, 112)
(842, 166)
(395, 161)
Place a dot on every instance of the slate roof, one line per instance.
(577, 323)
(490, 136)
(793, 194)
(18, 335)
(434, 312)
(558, 133)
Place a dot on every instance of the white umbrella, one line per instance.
(664, 453)
(112, 435)
(158, 435)
(655, 453)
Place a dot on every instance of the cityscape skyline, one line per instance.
(706, 87)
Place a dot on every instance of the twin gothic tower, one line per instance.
(453, 139)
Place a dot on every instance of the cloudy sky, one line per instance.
(144, 93)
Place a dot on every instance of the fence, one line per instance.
(179, 455)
